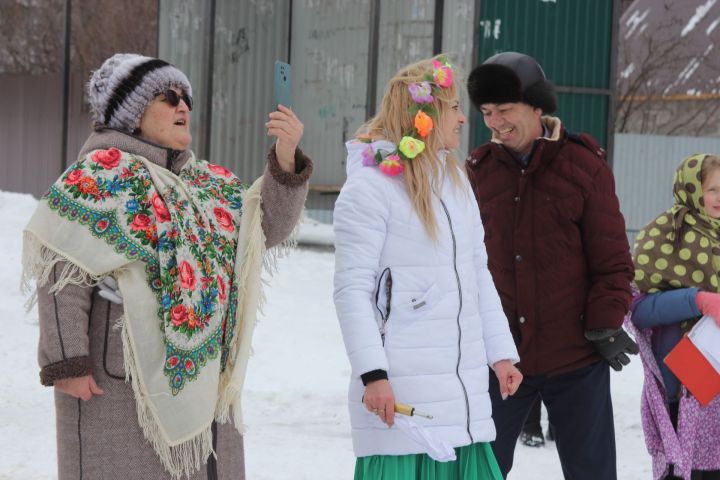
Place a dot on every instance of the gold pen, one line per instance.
(403, 409)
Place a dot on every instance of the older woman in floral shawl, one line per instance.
(677, 259)
(161, 369)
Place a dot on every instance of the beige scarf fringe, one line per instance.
(185, 458)
(38, 262)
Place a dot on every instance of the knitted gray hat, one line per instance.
(121, 89)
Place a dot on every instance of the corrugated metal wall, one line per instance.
(30, 132)
(235, 54)
(573, 43)
(329, 59)
(644, 167)
(405, 36)
(249, 37)
(457, 41)
(183, 35)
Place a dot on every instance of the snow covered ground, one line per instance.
(294, 401)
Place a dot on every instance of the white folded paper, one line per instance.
(436, 449)
(705, 335)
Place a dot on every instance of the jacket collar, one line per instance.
(168, 158)
(544, 148)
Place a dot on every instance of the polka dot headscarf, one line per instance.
(681, 247)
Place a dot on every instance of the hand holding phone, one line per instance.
(282, 85)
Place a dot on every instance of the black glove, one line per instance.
(613, 346)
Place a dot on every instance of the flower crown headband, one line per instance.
(411, 145)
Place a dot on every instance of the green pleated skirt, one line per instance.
(474, 462)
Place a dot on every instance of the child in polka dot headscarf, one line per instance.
(677, 261)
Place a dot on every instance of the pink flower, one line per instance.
(392, 165)
(140, 222)
(224, 219)
(178, 315)
(74, 177)
(187, 276)
(222, 292)
(218, 170)
(107, 158)
(421, 92)
(442, 74)
(159, 208)
(368, 157)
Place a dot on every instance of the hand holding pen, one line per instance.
(403, 409)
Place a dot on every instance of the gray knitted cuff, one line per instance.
(303, 169)
(70, 368)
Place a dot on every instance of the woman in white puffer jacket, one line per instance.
(418, 309)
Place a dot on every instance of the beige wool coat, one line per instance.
(101, 438)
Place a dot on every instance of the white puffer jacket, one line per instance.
(446, 323)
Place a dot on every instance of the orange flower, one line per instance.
(192, 319)
(423, 123)
(88, 185)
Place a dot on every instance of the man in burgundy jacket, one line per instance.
(560, 260)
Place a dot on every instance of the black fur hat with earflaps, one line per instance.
(511, 77)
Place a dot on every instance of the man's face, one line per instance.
(516, 125)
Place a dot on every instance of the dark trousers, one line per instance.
(579, 408)
(532, 422)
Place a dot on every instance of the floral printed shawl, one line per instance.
(189, 289)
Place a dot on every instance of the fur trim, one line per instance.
(303, 168)
(511, 77)
(494, 83)
(70, 368)
(542, 95)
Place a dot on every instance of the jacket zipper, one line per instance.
(388, 296)
(457, 277)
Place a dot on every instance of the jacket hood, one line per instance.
(355, 149)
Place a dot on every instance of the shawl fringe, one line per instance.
(38, 262)
(187, 457)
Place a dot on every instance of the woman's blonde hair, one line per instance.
(394, 121)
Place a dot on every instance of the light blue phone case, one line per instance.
(282, 85)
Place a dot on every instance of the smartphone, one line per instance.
(282, 85)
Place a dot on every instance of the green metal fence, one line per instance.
(574, 41)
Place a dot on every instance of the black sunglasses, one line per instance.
(174, 98)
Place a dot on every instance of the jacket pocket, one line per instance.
(410, 312)
(425, 302)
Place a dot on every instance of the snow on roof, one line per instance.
(700, 12)
(678, 37)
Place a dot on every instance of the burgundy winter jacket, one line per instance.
(556, 244)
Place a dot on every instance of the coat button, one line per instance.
(521, 319)
(518, 257)
(517, 199)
